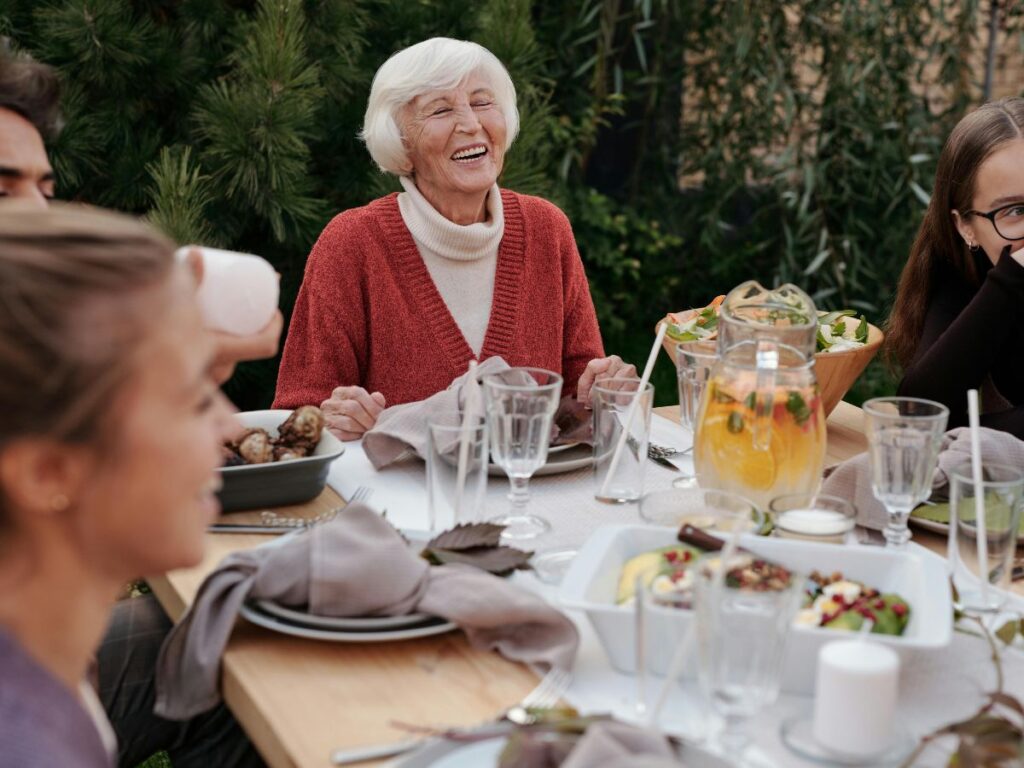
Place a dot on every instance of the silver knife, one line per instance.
(375, 751)
(250, 528)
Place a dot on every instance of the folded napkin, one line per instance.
(354, 565)
(618, 745)
(402, 429)
(852, 478)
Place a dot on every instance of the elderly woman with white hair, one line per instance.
(401, 294)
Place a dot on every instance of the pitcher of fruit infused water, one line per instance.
(761, 427)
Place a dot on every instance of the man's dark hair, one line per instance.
(32, 90)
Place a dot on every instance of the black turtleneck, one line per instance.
(971, 335)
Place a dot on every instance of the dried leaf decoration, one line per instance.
(468, 536)
(476, 544)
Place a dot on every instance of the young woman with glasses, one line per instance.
(957, 320)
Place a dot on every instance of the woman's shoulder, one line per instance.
(350, 236)
(535, 210)
(361, 220)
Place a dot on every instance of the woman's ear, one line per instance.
(42, 477)
(966, 230)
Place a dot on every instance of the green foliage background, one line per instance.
(693, 144)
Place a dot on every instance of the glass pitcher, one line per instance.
(761, 426)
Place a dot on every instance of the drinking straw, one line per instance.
(470, 404)
(979, 490)
(633, 406)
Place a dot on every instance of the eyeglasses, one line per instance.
(1007, 220)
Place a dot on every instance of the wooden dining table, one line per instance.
(299, 699)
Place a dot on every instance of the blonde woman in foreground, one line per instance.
(109, 445)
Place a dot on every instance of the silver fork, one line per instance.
(544, 696)
(656, 452)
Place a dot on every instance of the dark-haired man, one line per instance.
(28, 112)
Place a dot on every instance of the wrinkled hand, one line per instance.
(351, 411)
(232, 349)
(604, 368)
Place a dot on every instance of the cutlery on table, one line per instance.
(273, 523)
(544, 696)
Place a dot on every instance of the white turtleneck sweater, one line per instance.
(461, 260)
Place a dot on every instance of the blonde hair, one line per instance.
(437, 64)
(69, 324)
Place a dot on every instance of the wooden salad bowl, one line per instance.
(836, 371)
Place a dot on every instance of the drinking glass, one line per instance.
(703, 508)
(694, 361)
(1003, 491)
(456, 472)
(616, 401)
(741, 639)
(521, 404)
(903, 434)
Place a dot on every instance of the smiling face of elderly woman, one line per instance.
(456, 143)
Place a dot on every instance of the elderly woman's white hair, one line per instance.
(437, 64)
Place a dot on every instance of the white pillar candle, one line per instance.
(855, 697)
(238, 293)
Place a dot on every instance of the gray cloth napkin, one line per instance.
(619, 745)
(354, 565)
(852, 478)
(402, 429)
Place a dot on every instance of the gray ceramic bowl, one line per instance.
(277, 484)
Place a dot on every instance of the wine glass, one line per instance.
(521, 404)
(904, 434)
(741, 637)
(694, 361)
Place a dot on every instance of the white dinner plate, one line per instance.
(560, 448)
(258, 617)
(342, 623)
(484, 754)
(574, 457)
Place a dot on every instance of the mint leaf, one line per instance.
(798, 407)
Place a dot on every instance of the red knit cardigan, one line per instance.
(368, 312)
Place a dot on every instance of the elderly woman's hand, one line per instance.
(605, 368)
(351, 411)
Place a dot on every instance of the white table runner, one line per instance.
(936, 689)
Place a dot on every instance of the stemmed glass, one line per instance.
(521, 404)
(741, 639)
(904, 434)
(694, 361)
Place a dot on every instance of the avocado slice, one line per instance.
(850, 620)
(650, 564)
(888, 620)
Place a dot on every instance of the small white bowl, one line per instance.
(917, 575)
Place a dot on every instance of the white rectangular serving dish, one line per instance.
(917, 575)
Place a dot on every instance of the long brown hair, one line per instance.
(938, 243)
(76, 289)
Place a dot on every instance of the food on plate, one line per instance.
(666, 568)
(831, 601)
(835, 602)
(838, 331)
(297, 437)
(699, 325)
(256, 446)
